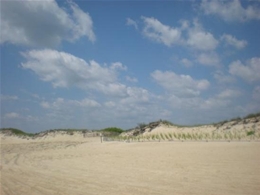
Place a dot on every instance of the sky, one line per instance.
(96, 64)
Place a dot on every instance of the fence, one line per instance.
(138, 139)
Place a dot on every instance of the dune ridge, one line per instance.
(76, 162)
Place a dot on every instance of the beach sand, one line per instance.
(76, 166)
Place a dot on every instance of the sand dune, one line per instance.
(76, 165)
(247, 129)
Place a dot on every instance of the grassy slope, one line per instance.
(114, 130)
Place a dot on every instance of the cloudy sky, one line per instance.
(95, 64)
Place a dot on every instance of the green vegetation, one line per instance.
(252, 115)
(113, 133)
(165, 122)
(17, 132)
(248, 133)
(142, 125)
(113, 129)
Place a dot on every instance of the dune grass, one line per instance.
(17, 132)
(191, 136)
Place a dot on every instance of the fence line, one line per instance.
(132, 140)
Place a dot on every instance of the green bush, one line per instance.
(142, 125)
(165, 122)
(252, 115)
(113, 130)
(250, 133)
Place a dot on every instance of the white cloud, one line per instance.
(83, 25)
(233, 41)
(229, 93)
(31, 118)
(131, 22)
(11, 115)
(197, 104)
(161, 33)
(180, 85)
(215, 103)
(230, 10)
(118, 65)
(223, 78)
(8, 97)
(186, 62)
(249, 72)
(208, 59)
(60, 103)
(197, 37)
(65, 70)
(87, 103)
(90, 113)
(184, 24)
(43, 23)
(131, 79)
(45, 104)
(136, 95)
(200, 39)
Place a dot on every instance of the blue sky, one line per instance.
(95, 64)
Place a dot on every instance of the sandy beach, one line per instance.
(86, 166)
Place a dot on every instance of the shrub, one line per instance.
(250, 133)
(165, 122)
(141, 125)
(253, 115)
(113, 129)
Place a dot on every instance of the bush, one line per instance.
(142, 125)
(250, 133)
(165, 122)
(252, 115)
(114, 130)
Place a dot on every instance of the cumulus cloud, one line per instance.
(249, 72)
(223, 78)
(65, 70)
(45, 104)
(230, 10)
(82, 24)
(208, 59)
(131, 79)
(8, 97)
(197, 37)
(186, 62)
(11, 115)
(200, 39)
(180, 85)
(118, 65)
(98, 114)
(198, 104)
(233, 41)
(61, 103)
(229, 93)
(156, 31)
(136, 95)
(43, 23)
(131, 22)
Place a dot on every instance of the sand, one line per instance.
(78, 166)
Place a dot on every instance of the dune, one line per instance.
(77, 165)
(247, 129)
(158, 158)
